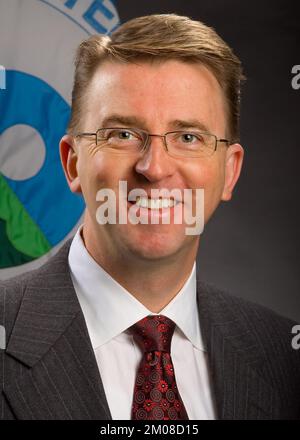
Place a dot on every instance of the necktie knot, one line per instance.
(153, 333)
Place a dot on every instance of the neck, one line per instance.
(152, 283)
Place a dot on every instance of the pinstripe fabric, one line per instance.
(255, 372)
(49, 371)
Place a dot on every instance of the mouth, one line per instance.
(154, 204)
(155, 210)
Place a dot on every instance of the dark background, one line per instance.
(251, 245)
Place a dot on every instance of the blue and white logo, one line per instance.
(38, 212)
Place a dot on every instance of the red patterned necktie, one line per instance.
(156, 396)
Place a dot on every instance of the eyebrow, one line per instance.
(190, 123)
(133, 121)
(127, 121)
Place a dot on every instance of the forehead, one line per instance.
(156, 93)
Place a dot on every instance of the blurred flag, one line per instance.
(38, 212)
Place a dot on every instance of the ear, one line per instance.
(233, 166)
(69, 157)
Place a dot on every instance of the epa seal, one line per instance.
(38, 212)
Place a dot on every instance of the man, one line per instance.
(116, 325)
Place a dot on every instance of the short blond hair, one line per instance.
(157, 38)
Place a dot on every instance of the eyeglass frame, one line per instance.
(148, 135)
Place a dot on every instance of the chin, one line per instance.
(154, 245)
(153, 253)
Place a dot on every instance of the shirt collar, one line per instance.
(109, 309)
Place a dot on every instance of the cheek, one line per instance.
(93, 175)
(103, 170)
(208, 175)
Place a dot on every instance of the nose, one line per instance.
(155, 164)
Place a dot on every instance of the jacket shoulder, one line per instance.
(265, 332)
(13, 289)
(241, 308)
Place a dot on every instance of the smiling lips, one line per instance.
(160, 203)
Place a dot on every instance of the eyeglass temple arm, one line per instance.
(223, 140)
(85, 134)
(79, 135)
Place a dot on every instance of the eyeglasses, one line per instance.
(181, 143)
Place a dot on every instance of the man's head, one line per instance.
(154, 73)
(153, 39)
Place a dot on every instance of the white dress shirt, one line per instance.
(109, 310)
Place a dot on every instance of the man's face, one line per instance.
(155, 95)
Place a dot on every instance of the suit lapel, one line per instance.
(235, 360)
(58, 373)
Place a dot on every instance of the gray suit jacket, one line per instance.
(49, 371)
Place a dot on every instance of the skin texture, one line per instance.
(146, 258)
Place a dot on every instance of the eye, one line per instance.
(124, 134)
(188, 137)
(119, 134)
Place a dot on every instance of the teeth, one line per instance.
(145, 202)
